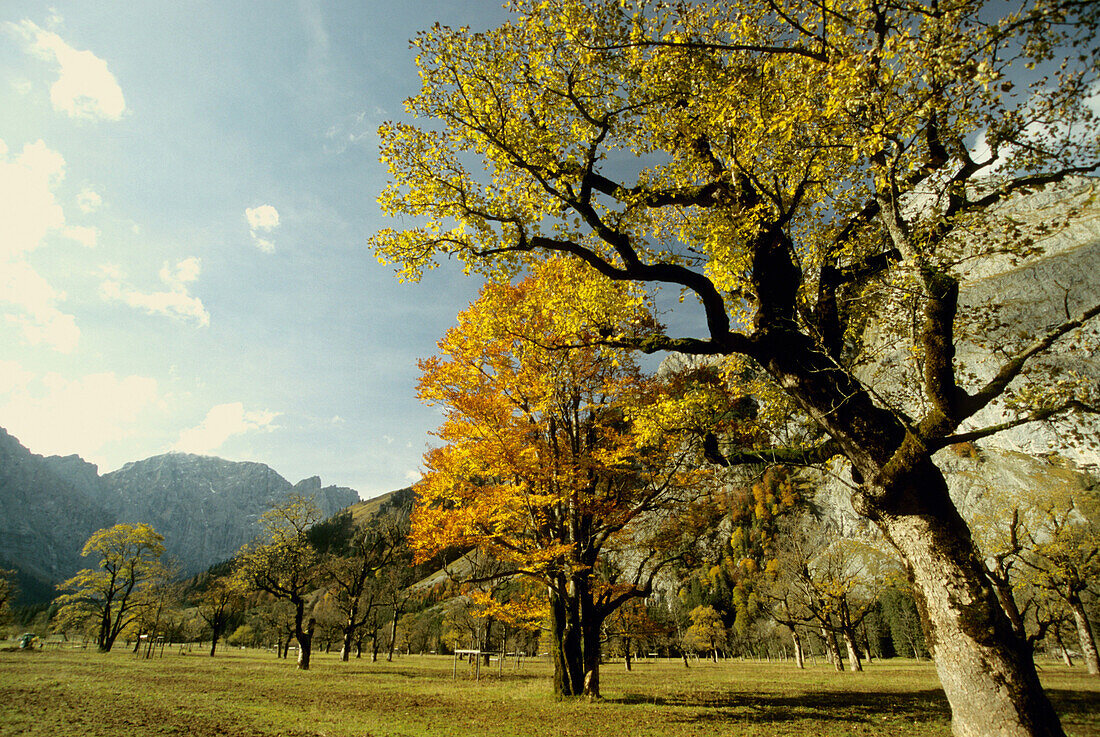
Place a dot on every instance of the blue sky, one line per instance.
(186, 190)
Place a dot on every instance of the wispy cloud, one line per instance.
(85, 87)
(223, 422)
(262, 219)
(352, 129)
(175, 302)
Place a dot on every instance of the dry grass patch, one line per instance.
(82, 693)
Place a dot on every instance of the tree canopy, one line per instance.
(802, 171)
(112, 593)
(548, 465)
(282, 562)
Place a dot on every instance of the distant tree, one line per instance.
(283, 563)
(821, 579)
(355, 587)
(221, 603)
(899, 610)
(707, 632)
(9, 590)
(635, 626)
(111, 595)
(1066, 565)
(155, 604)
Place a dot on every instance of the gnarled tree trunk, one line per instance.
(986, 670)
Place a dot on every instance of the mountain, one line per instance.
(46, 517)
(205, 507)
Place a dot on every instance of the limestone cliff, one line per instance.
(205, 507)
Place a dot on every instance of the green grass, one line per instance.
(73, 693)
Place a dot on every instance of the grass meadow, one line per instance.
(81, 693)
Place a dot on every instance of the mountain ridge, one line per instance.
(206, 507)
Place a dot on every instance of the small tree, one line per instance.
(155, 604)
(283, 563)
(554, 463)
(1067, 566)
(8, 591)
(356, 588)
(111, 595)
(707, 631)
(221, 603)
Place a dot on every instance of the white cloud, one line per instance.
(176, 302)
(982, 152)
(263, 244)
(262, 219)
(29, 212)
(13, 377)
(85, 87)
(88, 201)
(83, 234)
(413, 476)
(183, 272)
(28, 208)
(223, 422)
(58, 415)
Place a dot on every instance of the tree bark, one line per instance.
(566, 649)
(986, 670)
(854, 663)
(591, 621)
(799, 656)
(1085, 634)
(393, 633)
(832, 650)
(305, 643)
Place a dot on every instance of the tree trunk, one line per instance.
(349, 635)
(867, 644)
(592, 657)
(305, 644)
(1084, 633)
(1066, 658)
(591, 622)
(393, 634)
(799, 656)
(626, 652)
(832, 649)
(566, 649)
(213, 643)
(487, 638)
(987, 672)
(854, 663)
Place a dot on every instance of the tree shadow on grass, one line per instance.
(839, 706)
(826, 706)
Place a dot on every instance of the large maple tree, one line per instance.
(802, 170)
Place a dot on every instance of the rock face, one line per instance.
(1006, 302)
(205, 507)
(44, 517)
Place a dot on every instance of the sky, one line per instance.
(186, 194)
